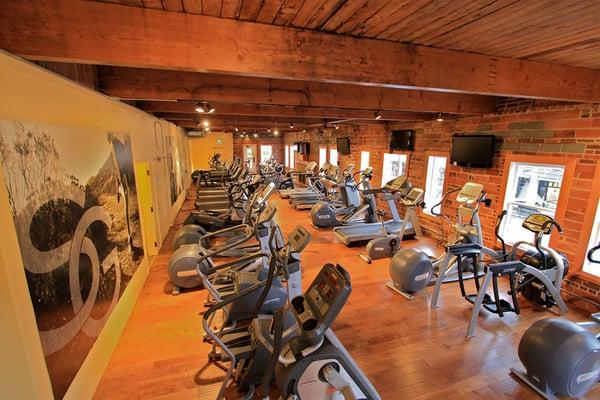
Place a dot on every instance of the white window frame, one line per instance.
(265, 146)
(434, 189)
(510, 202)
(292, 156)
(588, 267)
(388, 158)
(364, 160)
(287, 156)
(333, 156)
(322, 156)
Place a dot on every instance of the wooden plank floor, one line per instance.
(407, 350)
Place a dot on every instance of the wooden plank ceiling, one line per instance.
(431, 57)
(563, 32)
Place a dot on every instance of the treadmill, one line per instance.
(356, 234)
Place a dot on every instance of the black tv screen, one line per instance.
(473, 151)
(343, 145)
(402, 140)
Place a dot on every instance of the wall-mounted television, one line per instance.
(302, 147)
(402, 140)
(475, 151)
(343, 145)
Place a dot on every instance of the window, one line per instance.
(393, 165)
(292, 155)
(266, 151)
(531, 188)
(589, 267)
(434, 185)
(333, 157)
(322, 156)
(287, 156)
(364, 160)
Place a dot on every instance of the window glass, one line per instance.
(322, 156)
(266, 151)
(333, 157)
(292, 156)
(393, 165)
(589, 267)
(287, 155)
(364, 160)
(434, 185)
(531, 188)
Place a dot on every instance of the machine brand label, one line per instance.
(323, 217)
(586, 377)
(422, 277)
(379, 248)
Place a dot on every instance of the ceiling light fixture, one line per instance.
(206, 129)
(255, 135)
(204, 107)
(276, 132)
(377, 115)
(205, 123)
(303, 130)
(236, 129)
(440, 118)
(335, 127)
(291, 125)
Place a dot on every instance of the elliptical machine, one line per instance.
(347, 208)
(388, 243)
(561, 357)
(296, 345)
(413, 270)
(529, 277)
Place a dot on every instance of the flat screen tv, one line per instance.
(475, 151)
(343, 145)
(402, 140)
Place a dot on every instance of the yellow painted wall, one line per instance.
(32, 94)
(202, 149)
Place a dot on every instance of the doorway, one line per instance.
(250, 155)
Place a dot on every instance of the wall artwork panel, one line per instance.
(73, 198)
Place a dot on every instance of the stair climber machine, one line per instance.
(214, 165)
(258, 223)
(216, 200)
(213, 179)
(349, 209)
(537, 274)
(388, 244)
(296, 347)
(361, 233)
(412, 270)
(323, 188)
(239, 193)
(561, 357)
(288, 186)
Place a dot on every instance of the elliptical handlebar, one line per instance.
(591, 253)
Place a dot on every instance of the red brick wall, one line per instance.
(276, 142)
(551, 130)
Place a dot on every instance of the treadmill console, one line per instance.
(316, 310)
(535, 223)
(469, 193)
(399, 185)
(413, 197)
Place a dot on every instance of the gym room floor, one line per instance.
(407, 350)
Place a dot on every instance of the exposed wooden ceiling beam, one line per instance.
(102, 33)
(281, 111)
(241, 125)
(248, 118)
(136, 83)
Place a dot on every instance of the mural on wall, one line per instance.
(174, 167)
(73, 197)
